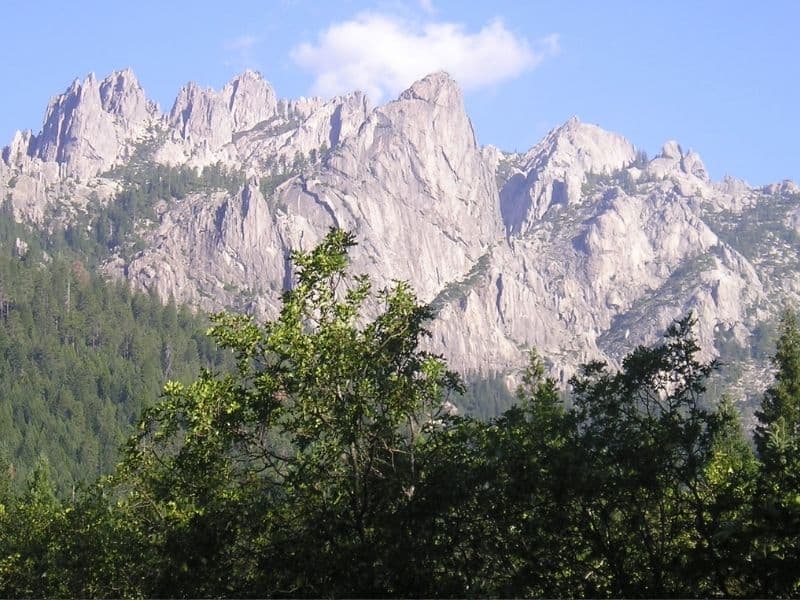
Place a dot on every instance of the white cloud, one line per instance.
(427, 6)
(241, 43)
(241, 51)
(382, 55)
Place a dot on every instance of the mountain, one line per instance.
(581, 247)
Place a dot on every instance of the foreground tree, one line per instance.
(776, 527)
(778, 430)
(280, 479)
(27, 525)
(643, 444)
(489, 517)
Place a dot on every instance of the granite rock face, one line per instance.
(87, 129)
(412, 184)
(250, 100)
(582, 246)
(395, 184)
(301, 130)
(205, 117)
(215, 251)
(553, 171)
(201, 116)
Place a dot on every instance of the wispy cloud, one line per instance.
(427, 6)
(241, 51)
(243, 42)
(382, 54)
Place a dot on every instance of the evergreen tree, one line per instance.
(80, 357)
(778, 430)
(777, 510)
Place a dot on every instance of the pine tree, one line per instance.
(779, 416)
(776, 557)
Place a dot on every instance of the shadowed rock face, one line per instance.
(579, 246)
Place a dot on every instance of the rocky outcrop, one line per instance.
(793, 219)
(250, 99)
(302, 131)
(245, 127)
(201, 116)
(89, 128)
(18, 152)
(205, 117)
(395, 184)
(413, 185)
(593, 280)
(214, 251)
(553, 172)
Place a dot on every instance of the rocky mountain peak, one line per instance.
(595, 149)
(412, 165)
(672, 150)
(17, 151)
(573, 124)
(693, 165)
(205, 117)
(86, 128)
(787, 186)
(584, 252)
(428, 116)
(554, 170)
(674, 162)
(248, 75)
(438, 88)
(427, 121)
(250, 100)
(122, 94)
(201, 114)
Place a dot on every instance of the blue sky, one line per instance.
(721, 77)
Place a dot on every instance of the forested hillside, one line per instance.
(329, 463)
(80, 357)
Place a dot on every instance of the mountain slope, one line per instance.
(581, 246)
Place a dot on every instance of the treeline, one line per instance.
(112, 226)
(329, 464)
(80, 357)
